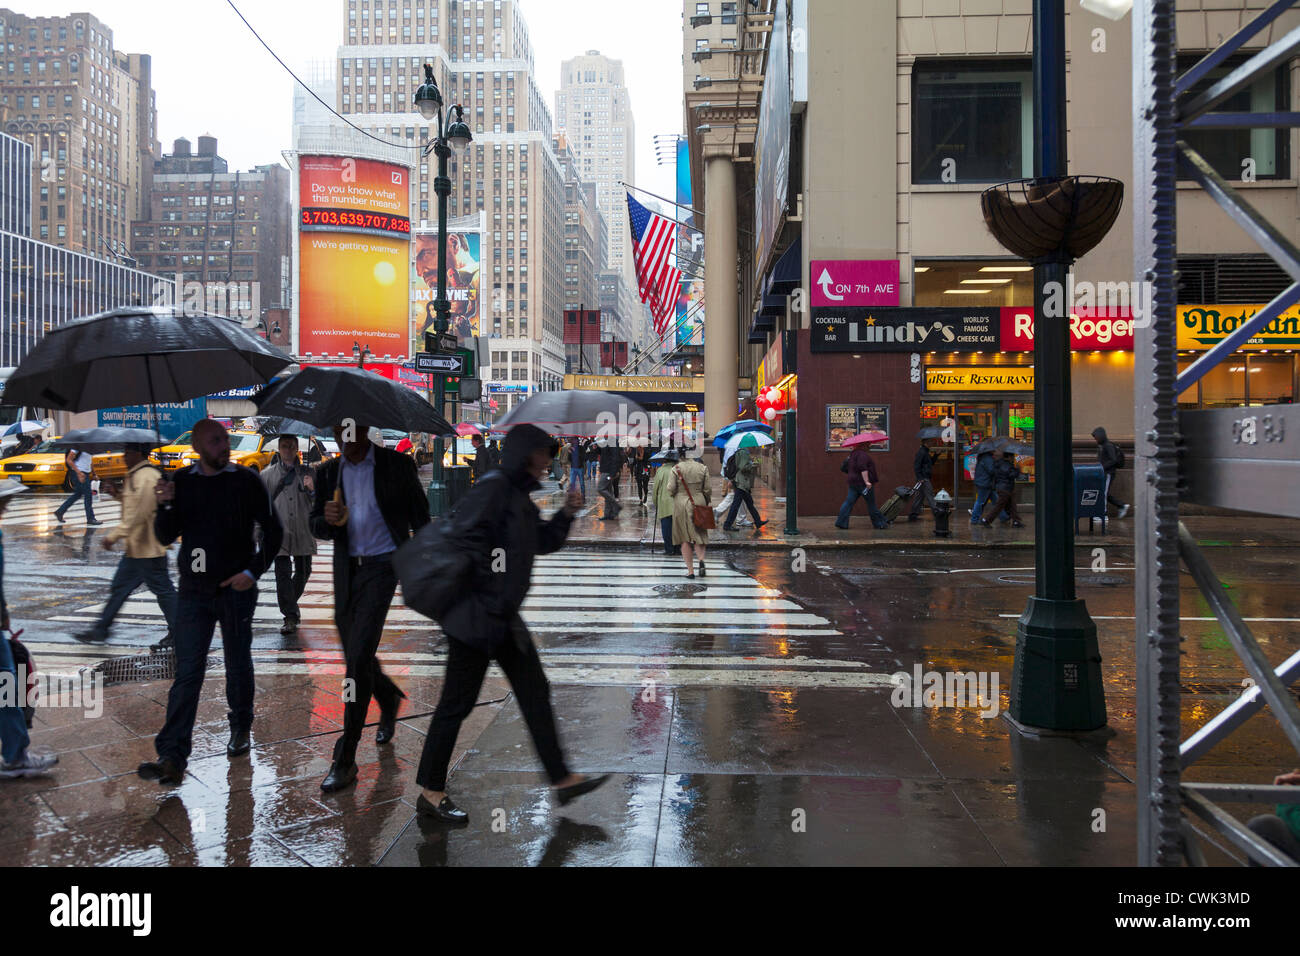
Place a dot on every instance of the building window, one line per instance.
(1265, 153)
(728, 12)
(971, 123)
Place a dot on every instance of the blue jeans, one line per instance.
(578, 479)
(80, 489)
(13, 723)
(982, 499)
(131, 573)
(854, 495)
(198, 610)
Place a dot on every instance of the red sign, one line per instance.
(854, 282)
(412, 379)
(1111, 330)
(581, 327)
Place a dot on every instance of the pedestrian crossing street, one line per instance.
(575, 591)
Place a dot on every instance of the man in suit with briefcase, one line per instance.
(368, 501)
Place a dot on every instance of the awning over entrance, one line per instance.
(787, 273)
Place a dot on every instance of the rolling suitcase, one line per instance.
(894, 505)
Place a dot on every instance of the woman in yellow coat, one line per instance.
(689, 480)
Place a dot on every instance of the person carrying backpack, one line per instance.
(1111, 459)
(740, 472)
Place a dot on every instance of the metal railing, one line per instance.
(1186, 456)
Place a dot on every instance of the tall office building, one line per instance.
(15, 186)
(482, 60)
(89, 114)
(594, 110)
(585, 242)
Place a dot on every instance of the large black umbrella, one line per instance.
(140, 355)
(98, 440)
(330, 396)
(931, 431)
(579, 412)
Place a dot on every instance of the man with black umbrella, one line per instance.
(212, 506)
(498, 516)
(368, 501)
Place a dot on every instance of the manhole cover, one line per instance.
(679, 588)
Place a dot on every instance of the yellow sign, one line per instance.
(1202, 327)
(635, 383)
(1013, 378)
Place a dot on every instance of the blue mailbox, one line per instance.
(1089, 495)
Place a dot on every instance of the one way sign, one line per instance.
(439, 363)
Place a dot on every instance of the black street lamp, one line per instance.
(456, 135)
(361, 352)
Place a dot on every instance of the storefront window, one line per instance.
(1229, 151)
(982, 282)
(1225, 385)
(1270, 379)
(1242, 379)
(971, 122)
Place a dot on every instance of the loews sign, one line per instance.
(1016, 378)
(1202, 327)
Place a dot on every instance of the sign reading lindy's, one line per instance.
(836, 329)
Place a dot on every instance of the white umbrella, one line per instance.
(745, 440)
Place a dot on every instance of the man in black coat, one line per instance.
(368, 501)
(1005, 475)
(922, 469)
(1109, 456)
(611, 466)
(212, 508)
(500, 526)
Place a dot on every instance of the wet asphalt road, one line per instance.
(732, 709)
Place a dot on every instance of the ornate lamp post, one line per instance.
(456, 135)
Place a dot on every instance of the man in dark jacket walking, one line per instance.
(212, 508)
(862, 484)
(922, 469)
(368, 501)
(611, 465)
(1005, 474)
(1109, 456)
(498, 523)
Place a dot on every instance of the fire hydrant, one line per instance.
(942, 512)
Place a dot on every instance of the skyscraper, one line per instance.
(482, 60)
(89, 114)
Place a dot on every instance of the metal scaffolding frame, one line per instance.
(1186, 456)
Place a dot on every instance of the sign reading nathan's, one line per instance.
(1204, 326)
(904, 330)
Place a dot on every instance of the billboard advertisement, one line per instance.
(354, 241)
(463, 268)
(690, 259)
(772, 146)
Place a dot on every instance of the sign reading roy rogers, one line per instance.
(904, 330)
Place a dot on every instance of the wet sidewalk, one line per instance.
(637, 525)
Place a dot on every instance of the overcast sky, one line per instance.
(212, 76)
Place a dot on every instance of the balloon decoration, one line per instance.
(769, 413)
(778, 401)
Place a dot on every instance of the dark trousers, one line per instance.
(80, 489)
(1004, 500)
(291, 574)
(370, 592)
(608, 490)
(923, 494)
(198, 611)
(666, 526)
(855, 494)
(13, 722)
(1111, 499)
(466, 667)
(739, 495)
(131, 573)
(642, 485)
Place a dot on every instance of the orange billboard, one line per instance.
(354, 256)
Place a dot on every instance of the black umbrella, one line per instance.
(330, 396)
(98, 440)
(987, 445)
(579, 412)
(279, 425)
(1010, 446)
(931, 431)
(140, 355)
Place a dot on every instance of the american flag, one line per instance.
(654, 241)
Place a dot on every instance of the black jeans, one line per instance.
(370, 592)
(198, 611)
(740, 495)
(291, 574)
(130, 574)
(466, 667)
(642, 485)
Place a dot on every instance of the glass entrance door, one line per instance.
(976, 421)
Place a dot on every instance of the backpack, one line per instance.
(731, 469)
(844, 465)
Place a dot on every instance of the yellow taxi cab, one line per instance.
(465, 452)
(246, 448)
(43, 466)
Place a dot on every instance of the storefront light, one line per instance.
(1006, 269)
(985, 281)
(966, 291)
(920, 268)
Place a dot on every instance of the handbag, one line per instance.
(701, 515)
(433, 569)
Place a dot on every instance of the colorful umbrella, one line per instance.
(465, 429)
(746, 440)
(864, 438)
(27, 427)
(744, 426)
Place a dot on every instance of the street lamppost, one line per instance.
(456, 135)
(361, 352)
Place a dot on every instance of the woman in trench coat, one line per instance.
(688, 483)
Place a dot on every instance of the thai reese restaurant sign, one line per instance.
(1012, 378)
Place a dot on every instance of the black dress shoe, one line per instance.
(387, 729)
(446, 811)
(760, 524)
(239, 744)
(566, 794)
(339, 778)
(164, 770)
(91, 637)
